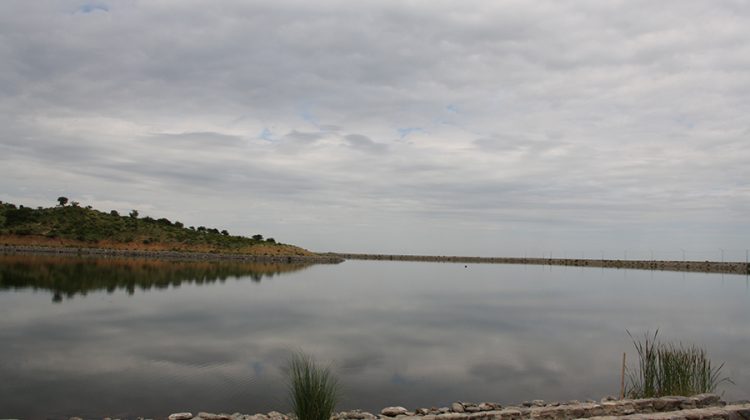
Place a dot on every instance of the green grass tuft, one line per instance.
(313, 390)
(670, 369)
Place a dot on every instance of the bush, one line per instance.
(313, 390)
(23, 231)
(20, 216)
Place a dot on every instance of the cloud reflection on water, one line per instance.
(415, 334)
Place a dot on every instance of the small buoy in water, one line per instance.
(466, 266)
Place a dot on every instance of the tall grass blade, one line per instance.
(313, 390)
(669, 369)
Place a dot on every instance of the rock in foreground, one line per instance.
(703, 406)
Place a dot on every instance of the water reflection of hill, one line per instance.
(69, 276)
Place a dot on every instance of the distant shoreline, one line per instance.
(168, 255)
(740, 268)
(690, 266)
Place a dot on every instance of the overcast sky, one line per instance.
(437, 127)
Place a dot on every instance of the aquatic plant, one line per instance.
(313, 389)
(671, 369)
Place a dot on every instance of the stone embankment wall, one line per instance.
(703, 406)
(171, 255)
(698, 266)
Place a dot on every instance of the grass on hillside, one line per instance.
(71, 224)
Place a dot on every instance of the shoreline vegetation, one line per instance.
(685, 390)
(71, 225)
(71, 229)
(668, 368)
(91, 251)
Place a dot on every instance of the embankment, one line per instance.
(697, 266)
(703, 406)
(171, 255)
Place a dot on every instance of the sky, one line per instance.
(490, 128)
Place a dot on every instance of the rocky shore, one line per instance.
(698, 407)
(169, 255)
(695, 266)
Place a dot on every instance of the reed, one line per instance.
(671, 369)
(313, 390)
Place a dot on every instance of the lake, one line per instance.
(126, 338)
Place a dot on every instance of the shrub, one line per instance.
(22, 231)
(313, 390)
(20, 216)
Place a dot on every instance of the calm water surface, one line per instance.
(126, 338)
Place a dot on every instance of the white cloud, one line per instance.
(493, 127)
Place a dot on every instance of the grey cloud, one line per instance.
(303, 137)
(569, 113)
(364, 143)
(202, 139)
(330, 127)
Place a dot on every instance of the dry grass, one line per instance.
(259, 249)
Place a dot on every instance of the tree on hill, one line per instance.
(62, 200)
(134, 214)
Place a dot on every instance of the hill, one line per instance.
(74, 225)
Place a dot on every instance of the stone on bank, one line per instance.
(703, 406)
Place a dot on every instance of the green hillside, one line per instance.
(67, 224)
